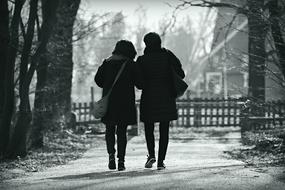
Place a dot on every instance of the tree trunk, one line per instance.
(40, 107)
(257, 35)
(40, 94)
(19, 139)
(18, 146)
(59, 75)
(8, 87)
(277, 34)
(4, 41)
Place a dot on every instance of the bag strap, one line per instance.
(117, 77)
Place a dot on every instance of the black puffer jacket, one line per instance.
(121, 107)
(157, 99)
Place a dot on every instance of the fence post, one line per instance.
(244, 120)
(188, 108)
(92, 94)
(196, 118)
(73, 118)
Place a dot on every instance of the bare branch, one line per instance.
(209, 4)
(84, 30)
(171, 23)
(22, 28)
(38, 26)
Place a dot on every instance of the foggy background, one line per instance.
(131, 20)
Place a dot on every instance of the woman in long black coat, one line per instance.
(158, 97)
(121, 110)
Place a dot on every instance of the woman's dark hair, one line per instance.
(152, 39)
(126, 48)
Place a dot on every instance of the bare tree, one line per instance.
(18, 142)
(8, 67)
(41, 69)
(53, 98)
(4, 42)
(275, 20)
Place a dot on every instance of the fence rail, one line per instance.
(273, 116)
(82, 113)
(199, 112)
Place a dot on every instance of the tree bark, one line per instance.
(257, 34)
(4, 41)
(41, 106)
(8, 86)
(18, 146)
(60, 68)
(277, 34)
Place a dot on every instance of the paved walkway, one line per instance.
(191, 164)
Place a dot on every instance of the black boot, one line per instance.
(160, 165)
(150, 161)
(121, 165)
(112, 162)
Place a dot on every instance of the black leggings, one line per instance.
(121, 140)
(163, 139)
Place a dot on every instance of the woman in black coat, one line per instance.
(121, 110)
(158, 98)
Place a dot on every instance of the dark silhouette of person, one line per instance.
(121, 110)
(157, 98)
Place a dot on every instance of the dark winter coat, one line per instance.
(157, 99)
(121, 107)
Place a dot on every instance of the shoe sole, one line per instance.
(112, 168)
(150, 163)
(160, 168)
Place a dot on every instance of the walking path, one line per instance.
(191, 164)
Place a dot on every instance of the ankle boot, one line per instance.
(112, 162)
(121, 165)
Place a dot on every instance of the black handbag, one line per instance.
(179, 85)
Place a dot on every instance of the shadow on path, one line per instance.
(140, 173)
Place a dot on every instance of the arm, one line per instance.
(176, 64)
(137, 73)
(99, 77)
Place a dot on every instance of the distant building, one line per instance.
(227, 68)
(226, 71)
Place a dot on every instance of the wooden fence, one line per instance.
(192, 112)
(198, 112)
(82, 113)
(273, 116)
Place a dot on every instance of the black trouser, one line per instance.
(163, 139)
(121, 140)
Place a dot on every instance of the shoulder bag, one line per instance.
(100, 107)
(179, 85)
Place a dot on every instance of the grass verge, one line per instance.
(266, 148)
(59, 148)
